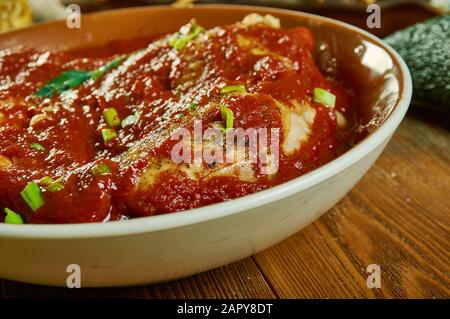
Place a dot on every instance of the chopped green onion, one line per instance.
(261, 51)
(37, 147)
(55, 186)
(111, 117)
(98, 73)
(4, 161)
(32, 195)
(12, 217)
(196, 30)
(181, 40)
(230, 119)
(324, 97)
(179, 115)
(227, 116)
(179, 43)
(223, 112)
(66, 80)
(73, 78)
(233, 89)
(46, 181)
(108, 134)
(129, 120)
(192, 107)
(100, 169)
(340, 119)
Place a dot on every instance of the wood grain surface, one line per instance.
(397, 216)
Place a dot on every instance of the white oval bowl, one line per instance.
(165, 247)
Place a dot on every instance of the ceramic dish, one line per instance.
(160, 248)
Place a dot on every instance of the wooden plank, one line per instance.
(239, 280)
(397, 217)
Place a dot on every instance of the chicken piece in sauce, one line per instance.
(96, 144)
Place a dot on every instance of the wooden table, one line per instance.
(397, 216)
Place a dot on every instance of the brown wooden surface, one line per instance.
(397, 216)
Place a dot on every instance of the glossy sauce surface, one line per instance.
(156, 85)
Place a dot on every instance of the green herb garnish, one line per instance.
(180, 40)
(37, 147)
(54, 187)
(218, 126)
(74, 78)
(96, 74)
(111, 117)
(192, 107)
(100, 169)
(227, 116)
(324, 97)
(108, 134)
(129, 120)
(32, 195)
(46, 181)
(50, 184)
(12, 217)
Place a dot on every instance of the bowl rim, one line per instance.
(225, 209)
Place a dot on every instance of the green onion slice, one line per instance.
(324, 97)
(111, 117)
(129, 120)
(100, 169)
(218, 126)
(180, 41)
(227, 116)
(192, 107)
(108, 135)
(12, 217)
(37, 147)
(232, 89)
(32, 195)
(55, 186)
(98, 73)
(72, 79)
